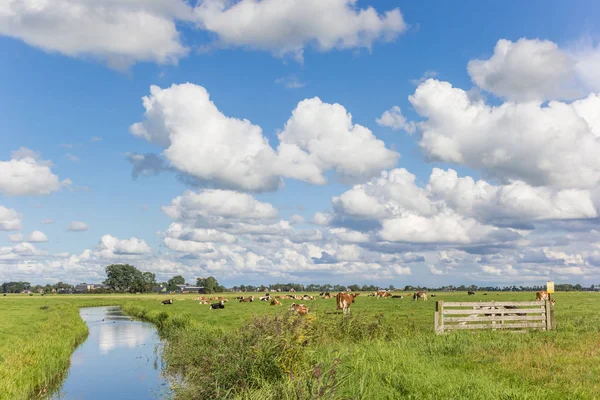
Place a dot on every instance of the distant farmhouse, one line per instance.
(88, 287)
(159, 289)
(189, 289)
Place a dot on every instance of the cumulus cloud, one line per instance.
(119, 33)
(214, 203)
(407, 213)
(513, 202)
(111, 247)
(36, 237)
(394, 119)
(452, 209)
(287, 28)
(205, 144)
(26, 175)
(15, 238)
(77, 226)
(10, 220)
(587, 65)
(526, 70)
(553, 145)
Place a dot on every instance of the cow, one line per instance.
(543, 296)
(383, 294)
(307, 297)
(300, 309)
(343, 301)
(409, 295)
(397, 296)
(275, 302)
(372, 294)
(327, 295)
(470, 293)
(247, 300)
(216, 306)
(420, 295)
(265, 298)
(433, 294)
(203, 302)
(164, 302)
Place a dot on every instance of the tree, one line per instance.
(210, 284)
(174, 281)
(124, 278)
(149, 280)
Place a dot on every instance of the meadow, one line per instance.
(385, 350)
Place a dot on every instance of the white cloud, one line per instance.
(26, 175)
(17, 237)
(36, 237)
(95, 139)
(112, 247)
(321, 218)
(296, 219)
(72, 157)
(394, 119)
(587, 64)
(318, 137)
(120, 33)
(10, 220)
(46, 221)
(290, 82)
(77, 226)
(287, 27)
(406, 212)
(322, 136)
(213, 203)
(554, 145)
(516, 201)
(436, 271)
(350, 236)
(526, 70)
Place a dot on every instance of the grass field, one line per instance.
(386, 350)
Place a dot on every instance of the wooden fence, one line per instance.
(513, 315)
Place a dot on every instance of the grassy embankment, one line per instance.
(387, 350)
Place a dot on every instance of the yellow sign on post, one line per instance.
(550, 287)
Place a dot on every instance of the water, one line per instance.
(121, 359)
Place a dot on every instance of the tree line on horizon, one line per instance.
(125, 278)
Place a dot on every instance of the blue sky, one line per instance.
(58, 94)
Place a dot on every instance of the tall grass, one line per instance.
(386, 350)
(37, 354)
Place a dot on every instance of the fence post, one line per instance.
(439, 307)
(548, 315)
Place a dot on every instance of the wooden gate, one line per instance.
(517, 315)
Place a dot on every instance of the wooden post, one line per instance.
(441, 310)
(548, 316)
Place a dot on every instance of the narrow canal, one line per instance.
(120, 359)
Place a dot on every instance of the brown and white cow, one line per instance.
(247, 300)
(420, 295)
(300, 309)
(543, 296)
(382, 293)
(343, 301)
(275, 302)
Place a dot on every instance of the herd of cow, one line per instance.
(343, 300)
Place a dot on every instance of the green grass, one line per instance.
(386, 350)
